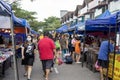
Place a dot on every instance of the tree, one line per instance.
(23, 13)
(52, 23)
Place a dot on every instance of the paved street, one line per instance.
(65, 72)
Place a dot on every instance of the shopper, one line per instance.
(103, 62)
(28, 56)
(46, 48)
(73, 47)
(64, 45)
(77, 50)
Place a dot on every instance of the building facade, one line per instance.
(90, 9)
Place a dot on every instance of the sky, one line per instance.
(47, 8)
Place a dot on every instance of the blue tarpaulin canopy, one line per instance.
(72, 28)
(20, 22)
(81, 26)
(5, 15)
(5, 9)
(105, 14)
(108, 20)
(64, 28)
(118, 18)
(92, 25)
(34, 32)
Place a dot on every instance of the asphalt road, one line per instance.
(63, 72)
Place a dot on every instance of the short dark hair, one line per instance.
(46, 33)
(77, 38)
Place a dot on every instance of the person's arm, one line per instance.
(23, 52)
(34, 48)
(60, 45)
(67, 44)
(55, 54)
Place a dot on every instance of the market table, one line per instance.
(92, 56)
(5, 62)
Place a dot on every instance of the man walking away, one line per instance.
(46, 48)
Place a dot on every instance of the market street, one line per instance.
(65, 72)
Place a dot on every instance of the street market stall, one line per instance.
(62, 29)
(113, 58)
(6, 53)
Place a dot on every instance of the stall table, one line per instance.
(5, 62)
(92, 56)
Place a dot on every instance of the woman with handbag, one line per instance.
(28, 56)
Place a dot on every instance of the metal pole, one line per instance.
(116, 27)
(83, 48)
(13, 50)
(108, 53)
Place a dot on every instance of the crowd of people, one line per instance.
(49, 47)
(53, 46)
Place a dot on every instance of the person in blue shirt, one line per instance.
(105, 48)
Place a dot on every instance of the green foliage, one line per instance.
(23, 13)
(51, 23)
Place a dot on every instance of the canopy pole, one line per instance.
(83, 48)
(114, 48)
(13, 50)
(108, 53)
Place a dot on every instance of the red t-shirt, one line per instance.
(45, 48)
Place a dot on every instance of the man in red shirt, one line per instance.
(46, 48)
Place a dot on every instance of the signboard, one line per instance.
(4, 22)
(116, 67)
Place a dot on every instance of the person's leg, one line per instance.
(78, 58)
(44, 67)
(29, 72)
(62, 54)
(101, 74)
(26, 69)
(47, 74)
(73, 55)
(48, 67)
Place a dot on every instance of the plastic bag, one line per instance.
(97, 67)
(58, 61)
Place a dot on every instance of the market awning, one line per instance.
(5, 13)
(5, 9)
(72, 28)
(108, 20)
(20, 22)
(63, 28)
(81, 26)
(105, 14)
(34, 32)
(118, 18)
